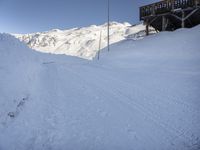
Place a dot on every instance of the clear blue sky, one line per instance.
(26, 16)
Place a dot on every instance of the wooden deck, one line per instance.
(171, 14)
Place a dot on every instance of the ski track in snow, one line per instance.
(129, 102)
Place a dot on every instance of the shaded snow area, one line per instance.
(142, 95)
(81, 42)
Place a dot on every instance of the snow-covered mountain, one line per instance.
(81, 42)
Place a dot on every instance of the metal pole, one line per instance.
(108, 25)
(99, 45)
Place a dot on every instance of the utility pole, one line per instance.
(108, 25)
(99, 45)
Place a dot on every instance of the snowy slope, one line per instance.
(81, 42)
(142, 95)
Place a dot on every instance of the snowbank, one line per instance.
(141, 95)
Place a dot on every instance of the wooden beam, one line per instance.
(196, 3)
(179, 18)
(190, 14)
(183, 20)
(154, 19)
(172, 3)
(147, 28)
(163, 23)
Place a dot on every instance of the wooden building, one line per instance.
(169, 15)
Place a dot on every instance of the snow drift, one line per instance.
(81, 42)
(141, 95)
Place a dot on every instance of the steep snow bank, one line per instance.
(141, 95)
(81, 42)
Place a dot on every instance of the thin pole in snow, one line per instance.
(99, 45)
(108, 25)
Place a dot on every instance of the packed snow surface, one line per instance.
(81, 42)
(142, 95)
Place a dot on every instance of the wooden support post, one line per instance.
(172, 3)
(163, 23)
(196, 3)
(183, 20)
(147, 29)
(153, 13)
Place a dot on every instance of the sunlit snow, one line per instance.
(142, 95)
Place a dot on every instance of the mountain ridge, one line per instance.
(81, 42)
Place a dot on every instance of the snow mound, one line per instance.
(141, 95)
(83, 42)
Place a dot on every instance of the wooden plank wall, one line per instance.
(166, 6)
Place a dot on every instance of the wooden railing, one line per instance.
(166, 6)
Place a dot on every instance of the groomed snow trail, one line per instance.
(142, 95)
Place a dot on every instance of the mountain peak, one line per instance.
(55, 30)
